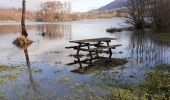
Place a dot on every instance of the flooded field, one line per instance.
(41, 71)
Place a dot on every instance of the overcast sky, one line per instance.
(77, 5)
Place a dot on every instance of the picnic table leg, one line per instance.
(97, 52)
(110, 50)
(91, 57)
(110, 56)
(78, 50)
(78, 59)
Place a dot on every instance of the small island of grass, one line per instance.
(101, 64)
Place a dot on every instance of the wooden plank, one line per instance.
(99, 48)
(84, 49)
(93, 40)
(111, 46)
(83, 45)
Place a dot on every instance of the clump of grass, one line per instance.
(7, 68)
(2, 81)
(38, 70)
(11, 76)
(65, 80)
(157, 83)
(9, 73)
(80, 86)
(161, 37)
(107, 62)
(112, 30)
(2, 98)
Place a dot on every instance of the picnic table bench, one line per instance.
(93, 45)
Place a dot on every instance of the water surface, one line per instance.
(48, 55)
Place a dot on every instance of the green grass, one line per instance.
(157, 83)
(156, 86)
(9, 73)
(65, 80)
(6, 68)
(162, 37)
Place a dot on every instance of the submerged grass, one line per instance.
(6, 68)
(155, 86)
(101, 65)
(8, 73)
(107, 62)
(65, 80)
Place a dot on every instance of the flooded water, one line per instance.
(49, 76)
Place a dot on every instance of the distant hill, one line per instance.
(113, 9)
(117, 4)
(13, 14)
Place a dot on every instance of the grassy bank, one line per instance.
(155, 86)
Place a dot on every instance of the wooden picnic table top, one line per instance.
(93, 40)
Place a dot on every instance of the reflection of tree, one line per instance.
(29, 69)
(145, 50)
(33, 91)
(55, 31)
(7, 29)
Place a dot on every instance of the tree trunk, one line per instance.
(24, 32)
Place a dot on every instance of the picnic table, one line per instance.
(93, 45)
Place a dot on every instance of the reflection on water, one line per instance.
(143, 50)
(51, 40)
(10, 29)
(48, 53)
(29, 69)
(55, 31)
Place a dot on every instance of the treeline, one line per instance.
(14, 14)
(94, 15)
(54, 11)
(49, 11)
(140, 13)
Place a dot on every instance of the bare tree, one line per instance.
(48, 10)
(160, 12)
(22, 41)
(54, 10)
(136, 12)
(24, 32)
